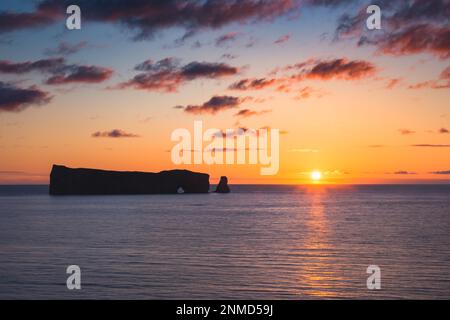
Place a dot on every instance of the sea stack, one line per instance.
(223, 187)
(67, 181)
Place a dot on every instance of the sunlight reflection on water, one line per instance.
(256, 243)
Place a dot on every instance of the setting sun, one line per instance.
(316, 175)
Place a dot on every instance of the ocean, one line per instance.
(258, 242)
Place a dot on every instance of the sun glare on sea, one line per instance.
(316, 175)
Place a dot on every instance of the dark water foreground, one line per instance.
(259, 242)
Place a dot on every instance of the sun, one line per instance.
(316, 175)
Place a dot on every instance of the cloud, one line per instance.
(146, 119)
(443, 82)
(425, 145)
(413, 40)
(307, 92)
(234, 149)
(144, 18)
(115, 133)
(214, 105)
(226, 38)
(311, 69)
(445, 74)
(406, 132)
(195, 70)
(339, 69)
(409, 27)
(392, 83)
(441, 172)
(432, 84)
(283, 39)
(251, 42)
(65, 49)
(239, 131)
(350, 26)
(329, 3)
(15, 99)
(228, 56)
(417, 10)
(404, 172)
(81, 74)
(443, 130)
(165, 64)
(231, 133)
(246, 113)
(167, 75)
(12, 21)
(252, 84)
(44, 65)
(61, 72)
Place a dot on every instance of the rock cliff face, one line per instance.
(67, 181)
(223, 187)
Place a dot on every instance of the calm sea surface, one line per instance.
(259, 242)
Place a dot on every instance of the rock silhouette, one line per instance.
(223, 187)
(67, 181)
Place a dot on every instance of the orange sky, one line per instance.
(357, 114)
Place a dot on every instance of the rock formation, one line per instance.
(67, 181)
(223, 187)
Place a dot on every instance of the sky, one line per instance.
(356, 105)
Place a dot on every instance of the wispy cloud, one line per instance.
(411, 27)
(329, 3)
(252, 84)
(283, 39)
(145, 18)
(442, 83)
(115, 133)
(311, 69)
(246, 113)
(214, 105)
(308, 92)
(65, 49)
(168, 75)
(12, 21)
(81, 74)
(406, 41)
(52, 65)
(337, 69)
(403, 172)
(406, 132)
(426, 145)
(227, 38)
(441, 172)
(62, 73)
(228, 56)
(16, 99)
(392, 83)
